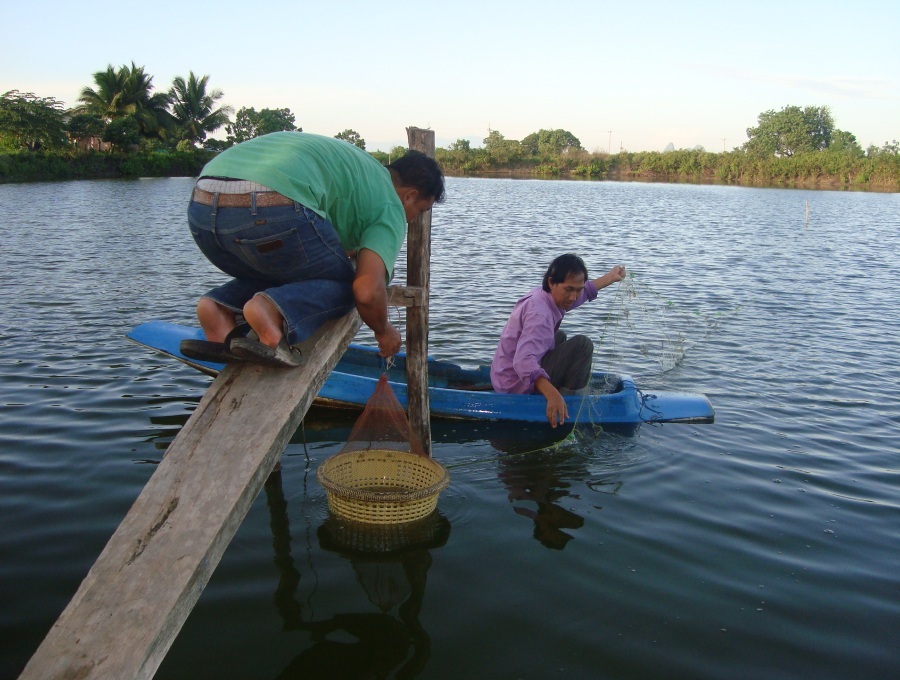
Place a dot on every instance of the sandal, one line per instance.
(214, 352)
(249, 348)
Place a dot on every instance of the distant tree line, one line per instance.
(122, 110)
(137, 130)
(792, 146)
(143, 132)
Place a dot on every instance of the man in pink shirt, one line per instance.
(533, 355)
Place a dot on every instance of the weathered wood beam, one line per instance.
(134, 600)
(405, 296)
(418, 274)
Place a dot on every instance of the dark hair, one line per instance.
(415, 169)
(563, 267)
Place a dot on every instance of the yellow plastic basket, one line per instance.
(382, 486)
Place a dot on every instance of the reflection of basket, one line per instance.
(387, 542)
(381, 486)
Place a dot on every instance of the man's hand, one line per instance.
(557, 411)
(389, 342)
(614, 275)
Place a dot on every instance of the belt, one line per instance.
(264, 199)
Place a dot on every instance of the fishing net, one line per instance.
(382, 475)
(646, 334)
(383, 424)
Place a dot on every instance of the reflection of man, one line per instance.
(358, 645)
(550, 518)
(366, 644)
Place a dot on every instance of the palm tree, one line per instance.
(193, 108)
(107, 100)
(151, 110)
(128, 92)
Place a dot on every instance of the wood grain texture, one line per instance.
(418, 274)
(134, 600)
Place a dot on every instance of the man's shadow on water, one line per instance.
(391, 564)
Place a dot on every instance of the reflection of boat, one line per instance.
(457, 392)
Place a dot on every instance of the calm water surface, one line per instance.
(763, 546)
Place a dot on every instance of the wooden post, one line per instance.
(134, 600)
(418, 274)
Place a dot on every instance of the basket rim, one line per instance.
(346, 492)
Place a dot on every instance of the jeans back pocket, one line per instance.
(278, 256)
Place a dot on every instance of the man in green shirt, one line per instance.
(308, 226)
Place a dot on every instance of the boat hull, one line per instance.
(464, 393)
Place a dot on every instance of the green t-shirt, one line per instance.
(331, 177)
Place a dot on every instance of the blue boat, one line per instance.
(464, 393)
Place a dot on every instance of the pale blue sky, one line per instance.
(651, 72)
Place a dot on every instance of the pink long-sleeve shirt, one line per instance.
(527, 337)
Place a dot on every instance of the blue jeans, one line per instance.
(287, 253)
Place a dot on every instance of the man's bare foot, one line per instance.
(265, 319)
(215, 320)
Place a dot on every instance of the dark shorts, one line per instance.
(569, 362)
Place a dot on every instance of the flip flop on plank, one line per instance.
(249, 348)
(214, 352)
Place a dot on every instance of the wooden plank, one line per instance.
(418, 274)
(405, 296)
(134, 600)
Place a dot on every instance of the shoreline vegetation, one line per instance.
(827, 170)
(814, 170)
(123, 127)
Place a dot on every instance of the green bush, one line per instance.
(71, 164)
